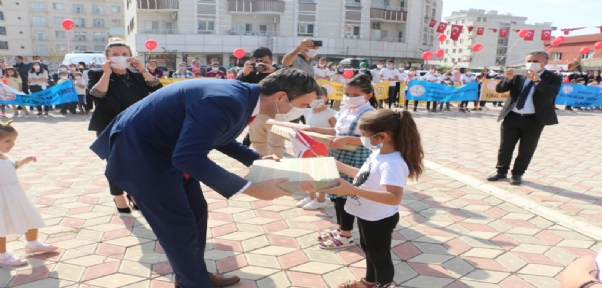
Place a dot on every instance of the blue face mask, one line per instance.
(367, 144)
(341, 70)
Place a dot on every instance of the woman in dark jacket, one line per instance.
(116, 87)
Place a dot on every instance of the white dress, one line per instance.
(17, 212)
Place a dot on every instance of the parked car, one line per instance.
(352, 63)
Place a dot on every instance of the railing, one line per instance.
(274, 6)
(205, 32)
(158, 4)
(391, 8)
(158, 31)
(253, 33)
(389, 15)
(353, 3)
(351, 36)
(387, 39)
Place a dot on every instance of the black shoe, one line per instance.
(132, 204)
(415, 109)
(516, 180)
(497, 176)
(122, 210)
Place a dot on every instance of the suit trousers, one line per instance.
(180, 224)
(515, 128)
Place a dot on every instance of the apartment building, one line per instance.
(494, 46)
(35, 27)
(208, 29)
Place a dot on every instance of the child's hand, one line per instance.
(344, 188)
(308, 129)
(271, 157)
(28, 159)
(338, 142)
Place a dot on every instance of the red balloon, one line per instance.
(442, 37)
(68, 24)
(150, 44)
(598, 45)
(523, 33)
(348, 74)
(440, 53)
(427, 55)
(239, 53)
(477, 47)
(560, 39)
(584, 50)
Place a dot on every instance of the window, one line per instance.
(57, 6)
(116, 23)
(37, 6)
(244, 27)
(40, 35)
(151, 26)
(402, 4)
(446, 41)
(500, 41)
(461, 41)
(484, 19)
(41, 49)
(169, 28)
(463, 21)
(99, 36)
(557, 56)
(1, 15)
(357, 3)
(79, 36)
(263, 29)
(2, 30)
(306, 29)
(3, 45)
(587, 56)
(205, 26)
(61, 48)
(99, 48)
(38, 21)
(352, 31)
(80, 48)
(115, 9)
(79, 22)
(447, 32)
(454, 51)
(446, 50)
(500, 51)
(78, 8)
(99, 10)
(478, 19)
(59, 34)
(99, 23)
(459, 50)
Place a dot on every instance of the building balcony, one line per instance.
(388, 14)
(256, 6)
(253, 33)
(387, 39)
(158, 4)
(158, 31)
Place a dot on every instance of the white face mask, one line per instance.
(533, 66)
(379, 66)
(311, 53)
(72, 68)
(78, 77)
(120, 62)
(36, 67)
(402, 69)
(64, 77)
(367, 144)
(354, 101)
(317, 104)
(215, 69)
(390, 66)
(295, 113)
(321, 65)
(63, 70)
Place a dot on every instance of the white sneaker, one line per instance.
(315, 205)
(304, 202)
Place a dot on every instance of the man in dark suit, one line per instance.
(529, 108)
(158, 151)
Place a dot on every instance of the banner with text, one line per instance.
(56, 95)
(579, 95)
(334, 90)
(488, 91)
(429, 91)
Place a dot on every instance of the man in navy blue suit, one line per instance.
(158, 151)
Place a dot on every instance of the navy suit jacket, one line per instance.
(152, 143)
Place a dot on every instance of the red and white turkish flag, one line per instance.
(530, 35)
(441, 27)
(456, 31)
(546, 34)
(433, 23)
(470, 28)
(493, 29)
(504, 32)
(480, 30)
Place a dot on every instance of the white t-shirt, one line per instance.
(381, 169)
(320, 72)
(345, 117)
(401, 75)
(318, 119)
(375, 74)
(467, 79)
(80, 91)
(433, 78)
(389, 74)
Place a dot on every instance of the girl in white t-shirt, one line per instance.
(323, 117)
(377, 188)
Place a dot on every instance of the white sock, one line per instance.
(34, 243)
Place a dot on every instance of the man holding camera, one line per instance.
(299, 58)
(259, 67)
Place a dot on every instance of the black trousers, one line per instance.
(415, 104)
(113, 188)
(344, 219)
(392, 95)
(428, 105)
(514, 128)
(247, 140)
(38, 88)
(375, 240)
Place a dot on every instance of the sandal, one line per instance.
(337, 242)
(8, 260)
(354, 284)
(328, 235)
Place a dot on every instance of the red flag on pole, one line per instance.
(567, 31)
(504, 32)
(456, 31)
(546, 34)
(441, 27)
(530, 35)
(433, 23)
(480, 30)
(469, 28)
(493, 29)
(599, 27)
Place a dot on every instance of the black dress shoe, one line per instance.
(122, 210)
(497, 176)
(132, 203)
(516, 180)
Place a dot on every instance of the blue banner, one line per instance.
(56, 95)
(430, 91)
(579, 95)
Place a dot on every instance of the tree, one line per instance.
(576, 66)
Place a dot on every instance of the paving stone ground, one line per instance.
(451, 234)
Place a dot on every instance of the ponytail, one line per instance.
(403, 131)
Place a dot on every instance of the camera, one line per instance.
(317, 43)
(257, 67)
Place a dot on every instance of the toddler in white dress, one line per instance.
(18, 215)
